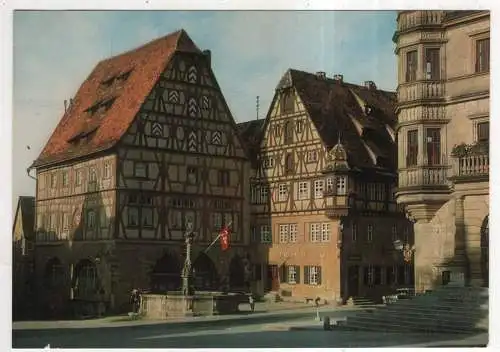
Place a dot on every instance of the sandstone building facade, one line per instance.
(443, 136)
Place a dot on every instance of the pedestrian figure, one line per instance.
(251, 302)
(316, 301)
(135, 301)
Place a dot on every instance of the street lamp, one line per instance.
(405, 248)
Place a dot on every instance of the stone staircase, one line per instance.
(449, 309)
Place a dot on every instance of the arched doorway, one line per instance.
(485, 244)
(237, 273)
(205, 273)
(86, 280)
(166, 274)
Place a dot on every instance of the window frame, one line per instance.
(319, 188)
(265, 234)
(283, 233)
(282, 192)
(433, 147)
(433, 74)
(303, 191)
(480, 67)
(412, 145)
(315, 232)
(369, 233)
(411, 66)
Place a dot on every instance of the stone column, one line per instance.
(459, 265)
(423, 257)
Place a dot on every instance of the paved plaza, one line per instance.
(287, 328)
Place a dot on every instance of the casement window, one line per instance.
(267, 162)
(287, 102)
(293, 274)
(483, 132)
(341, 185)
(368, 275)
(91, 220)
(283, 232)
(288, 130)
(65, 178)
(312, 156)
(192, 175)
(217, 221)
(293, 233)
(312, 275)
(432, 64)
(282, 192)
(133, 216)
(354, 232)
(303, 190)
(65, 221)
(92, 175)
(412, 148)
(78, 177)
(329, 184)
(289, 164)
(107, 170)
(325, 232)
(318, 188)
(299, 126)
(265, 234)
(369, 233)
(411, 66)
(53, 180)
(140, 170)
(394, 231)
(223, 178)
(482, 55)
(147, 217)
(315, 234)
(264, 194)
(433, 140)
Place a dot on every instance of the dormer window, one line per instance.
(101, 106)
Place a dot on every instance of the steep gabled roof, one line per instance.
(109, 99)
(26, 209)
(456, 14)
(250, 133)
(332, 106)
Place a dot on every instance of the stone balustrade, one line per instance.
(420, 91)
(423, 176)
(471, 165)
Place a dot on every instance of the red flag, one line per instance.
(224, 238)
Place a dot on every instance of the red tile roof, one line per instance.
(123, 82)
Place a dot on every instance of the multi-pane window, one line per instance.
(329, 184)
(133, 216)
(369, 233)
(411, 66)
(483, 55)
(78, 177)
(192, 175)
(318, 188)
(394, 233)
(432, 67)
(341, 185)
(354, 232)
(368, 275)
(288, 132)
(92, 175)
(289, 164)
(312, 275)
(284, 233)
(315, 232)
(325, 232)
(259, 194)
(433, 140)
(483, 132)
(412, 148)
(282, 192)
(217, 220)
(65, 221)
(147, 217)
(265, 234)
(293, 233)
(140, 169)
(303, 190)
(292, 274)
(53, 180)
(312, 156)
(223, 178)
(267, 162)
(264, 194)
(91, 220)
(65, 178)
(107, 170)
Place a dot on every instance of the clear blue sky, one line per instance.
(54, 51)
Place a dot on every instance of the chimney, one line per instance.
(338, 78)
(70, 102)
(370, 85)
(208, 54)
(321, 75)
(65, 105)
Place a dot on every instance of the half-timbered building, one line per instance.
(323, 209)
(147, 145)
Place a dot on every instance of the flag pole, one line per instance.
(218, 236)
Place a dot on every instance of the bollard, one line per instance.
(326, 323)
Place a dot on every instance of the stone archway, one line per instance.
(485, 244)
(166, 274)
(205, 273)
(86, 280)
(237, 273)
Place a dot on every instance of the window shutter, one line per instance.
(297, 274)
(319, 275)
(306, 275)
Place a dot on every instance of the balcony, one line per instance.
(418, 91)
(424, 177)
(337, 205)
(413, 19)
(471, 163)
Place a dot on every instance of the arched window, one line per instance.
(86, 279)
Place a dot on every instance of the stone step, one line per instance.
(397, 315)
(397, 327)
